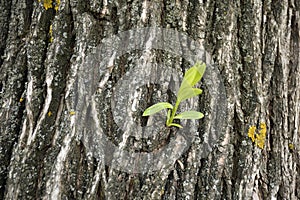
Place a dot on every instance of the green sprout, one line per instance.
(186, 91)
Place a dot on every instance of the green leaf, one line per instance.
(174, 124)
(191, 77)
(156, 108)
(194, 74)
(168, 115)
(189, 115)
(187, 93)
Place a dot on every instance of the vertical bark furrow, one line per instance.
(282, 127)
(294, 98)
(221, 33)
(13, 77)
(38, 127)
(5, 9)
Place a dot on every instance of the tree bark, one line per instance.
(57, 116)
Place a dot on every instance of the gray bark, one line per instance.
(43, 146)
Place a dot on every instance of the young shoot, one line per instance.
(186, 91)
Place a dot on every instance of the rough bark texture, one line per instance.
(255, 45)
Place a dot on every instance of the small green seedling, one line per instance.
(186, 91)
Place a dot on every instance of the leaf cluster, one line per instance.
(186, 91)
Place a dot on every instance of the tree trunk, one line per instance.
(76, 77)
